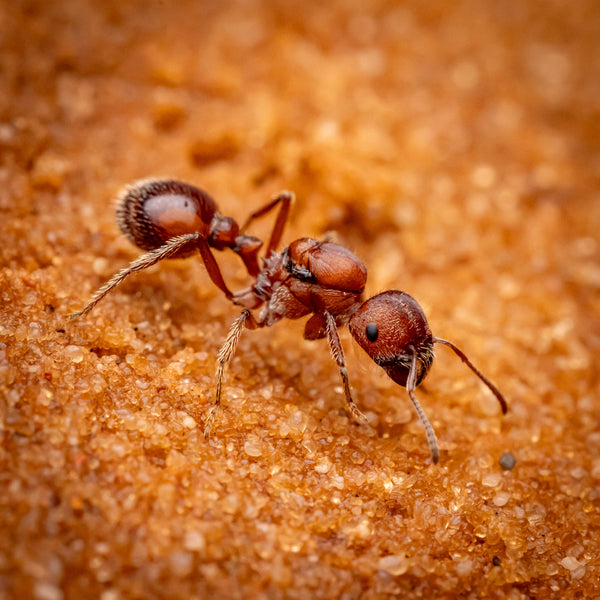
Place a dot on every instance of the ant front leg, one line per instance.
(338, 355)
(284, 199)
(226, 354)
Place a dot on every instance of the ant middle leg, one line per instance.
(225, 356)
(338, 355)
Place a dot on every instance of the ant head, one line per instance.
(151, 212)
(390, 327)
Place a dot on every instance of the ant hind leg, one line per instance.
(284, 199)
(175, 245)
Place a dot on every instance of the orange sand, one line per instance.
(454, 147)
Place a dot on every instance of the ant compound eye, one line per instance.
(372, 332)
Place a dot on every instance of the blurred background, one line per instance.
(454, 146)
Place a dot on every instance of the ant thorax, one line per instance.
(305, 278)
(272, 274)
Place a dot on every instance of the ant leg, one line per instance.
(212, 268)
(477, 372)
(173, 246)
(226, 353)
(285, 199)
(338, 355)
(429, 432)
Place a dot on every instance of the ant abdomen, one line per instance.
(151, 212)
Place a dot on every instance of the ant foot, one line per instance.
(210, 420)
(357, 415)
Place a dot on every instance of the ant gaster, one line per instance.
(172, 219)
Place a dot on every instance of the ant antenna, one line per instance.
(475, 370)
(411, 384)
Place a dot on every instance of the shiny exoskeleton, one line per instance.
(172, 219)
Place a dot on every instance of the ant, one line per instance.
(172, 219)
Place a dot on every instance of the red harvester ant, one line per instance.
(172, 219)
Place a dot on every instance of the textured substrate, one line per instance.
(455, 147)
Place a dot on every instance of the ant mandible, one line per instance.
(172, 219)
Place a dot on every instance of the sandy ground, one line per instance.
(454, 147)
